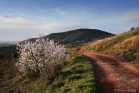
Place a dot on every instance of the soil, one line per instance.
(113, 75)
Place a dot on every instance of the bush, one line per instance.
(41, 55)
(132, 28)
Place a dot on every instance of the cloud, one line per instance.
(20, 23)
(12, 23)
(18, 28)
(53, 26)
(124, 18)
(57, 20)
(17, 20)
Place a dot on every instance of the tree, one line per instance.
(42, 55)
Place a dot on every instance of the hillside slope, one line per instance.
(124, 46)
(78, 36)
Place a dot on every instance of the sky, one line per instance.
(21, 19)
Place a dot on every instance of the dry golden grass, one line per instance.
(124, 46)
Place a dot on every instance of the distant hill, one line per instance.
(9, 42)
(5, 44)
(124, 46)
(78, 36)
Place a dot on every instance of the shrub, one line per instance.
(41, 55)
(132, 28)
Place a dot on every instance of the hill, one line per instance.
(78, 36)
(9, 42)
(5, 44)
(124, 46)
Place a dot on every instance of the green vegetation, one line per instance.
(77, 76)
(124, 46)
(79, 36)
(8, 50)
(6, 64)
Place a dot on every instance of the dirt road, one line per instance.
(113, 75)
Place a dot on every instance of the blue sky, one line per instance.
(21, 18)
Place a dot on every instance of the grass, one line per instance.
(77, 76)
(124, 46)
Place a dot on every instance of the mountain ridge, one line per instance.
(78, 36)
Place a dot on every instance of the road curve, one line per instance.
(113, 75)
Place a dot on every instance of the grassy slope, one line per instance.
(124, 46)
(77, 76)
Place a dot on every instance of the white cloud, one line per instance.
(20, 23)
(13, 23)
(17, 20)
(18, 28)
(62, 20)
(52, 26)
(124, 18)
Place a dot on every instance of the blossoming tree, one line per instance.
(41, 55)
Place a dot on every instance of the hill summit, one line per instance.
(78, 36)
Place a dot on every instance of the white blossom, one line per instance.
(39, 55)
